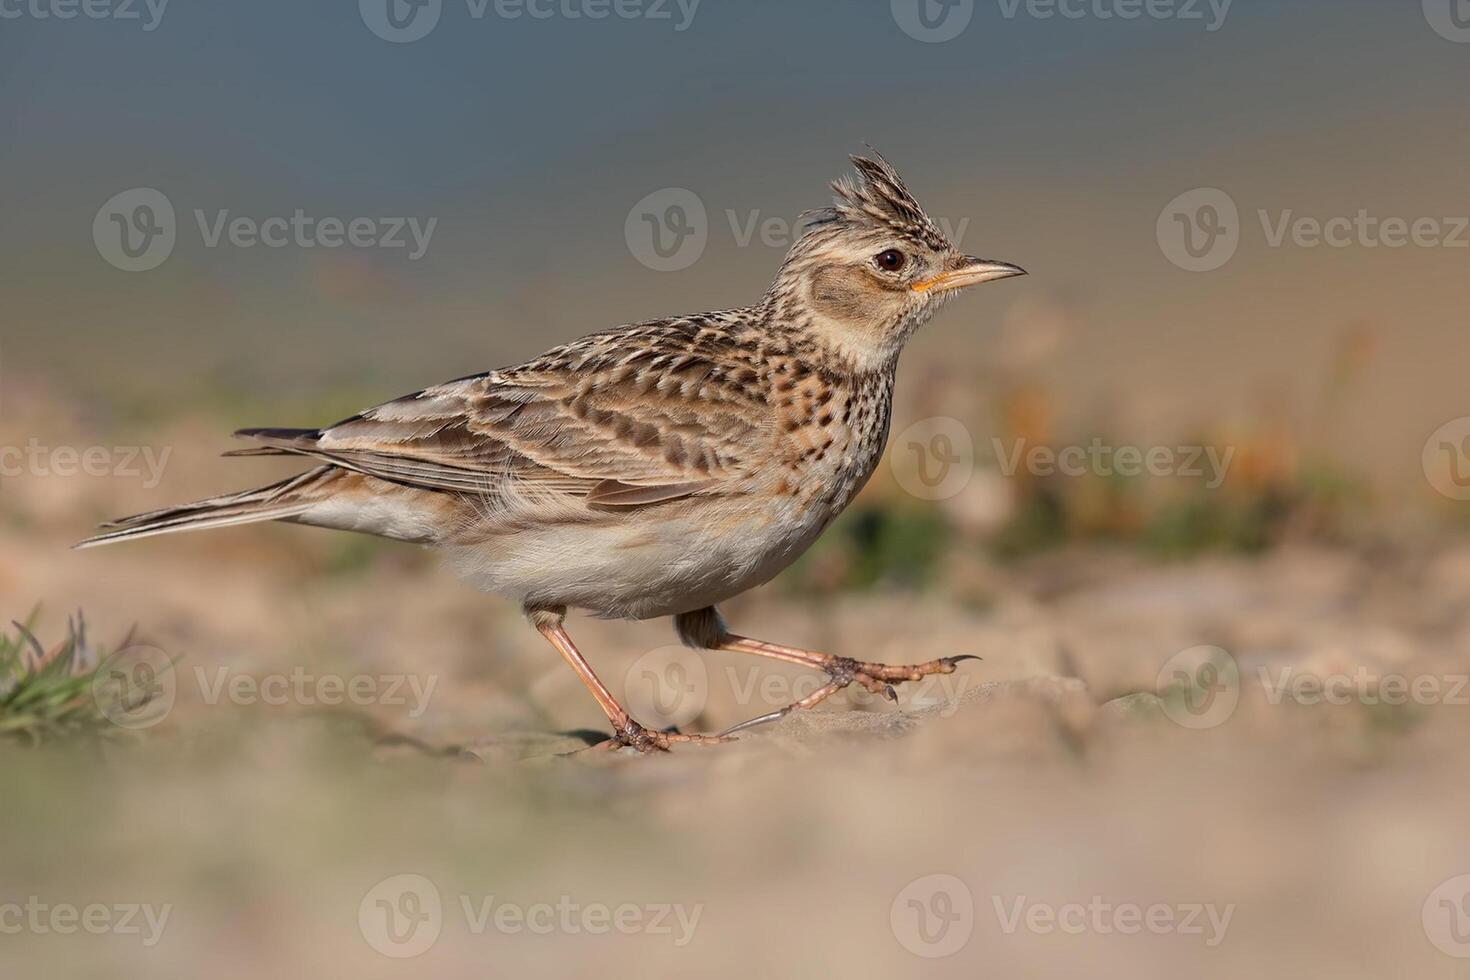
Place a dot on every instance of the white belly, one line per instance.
(657, 561)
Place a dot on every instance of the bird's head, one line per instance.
(870, 269)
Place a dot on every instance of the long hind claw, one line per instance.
(748, 723)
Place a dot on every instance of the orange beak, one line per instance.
(966, 270)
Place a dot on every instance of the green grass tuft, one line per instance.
(47, 695)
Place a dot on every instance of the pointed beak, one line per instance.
(966, 270)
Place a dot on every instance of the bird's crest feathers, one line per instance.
(878, 198)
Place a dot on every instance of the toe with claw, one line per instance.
(632, 735)
(877, 678)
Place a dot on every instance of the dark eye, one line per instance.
(891, 260)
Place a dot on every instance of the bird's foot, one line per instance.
(632, 735)
(880, 678)
(876, 678)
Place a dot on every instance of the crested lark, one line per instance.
(653, 469)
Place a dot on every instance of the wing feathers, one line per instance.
(626, 418)
(611, 493)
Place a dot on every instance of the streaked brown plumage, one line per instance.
(652, 469)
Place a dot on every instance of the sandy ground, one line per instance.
(1042, 811)
(352, 765)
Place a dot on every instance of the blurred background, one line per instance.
(1213, 453)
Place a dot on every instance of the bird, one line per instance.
(654, 469)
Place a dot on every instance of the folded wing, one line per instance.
(625, 418)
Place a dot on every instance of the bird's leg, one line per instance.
(626, 730)
(704, 627)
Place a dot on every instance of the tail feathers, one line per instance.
(259, 451)
(271, 503)
(279, 442)
(188, 520)
(293, 438)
